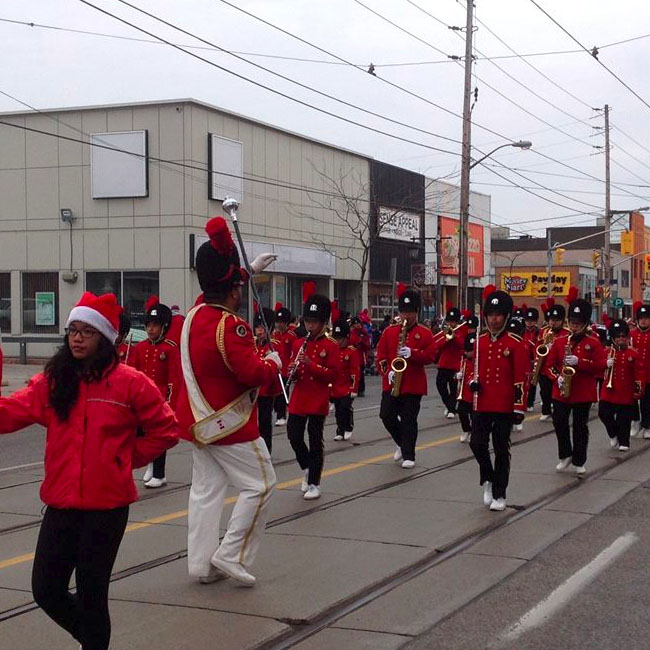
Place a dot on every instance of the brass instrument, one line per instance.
(567, 372)
(612, 355)
(398, 364)
(448, 331)
(541, 353)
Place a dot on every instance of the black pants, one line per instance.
(545, 391)
(465, 415)
(280, 406)
(362, 380)
(344, 412)
(86, 542)
(532, 394)
(400, 417)
(159, 466)
(644, 406)
(265, 419)
(561, 414)
(447, 387)
(496, 426)
(308, 458)
(617, 419)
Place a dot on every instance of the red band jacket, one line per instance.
(592, 361)
(449, 353)
(641, 343)
(503, 366)
(420, 339)
(285, 347)
(90, 457)
(125, 353)
(360, 340)
(628, 377)
(348, 376)
(311, 390)
(225, 365)
(162, 364)
(272, 388)
(546, 370)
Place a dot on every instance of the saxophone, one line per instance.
(541, 353)
(567, 372)
(398, 364)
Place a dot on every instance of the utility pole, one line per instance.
(607, 266)
(549, 264)
(465, 164)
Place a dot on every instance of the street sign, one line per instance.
(617, 302)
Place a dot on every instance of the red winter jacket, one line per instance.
(89, 458)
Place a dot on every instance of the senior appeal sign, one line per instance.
(394, 224)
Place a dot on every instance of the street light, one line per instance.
(466, 166)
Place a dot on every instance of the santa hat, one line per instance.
(100, 312)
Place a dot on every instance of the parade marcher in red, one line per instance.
(271, 390)
(360, 340)
(285, 336)
(91, 406)
(622, 386)
(499, 388)
(314, 366)
(124, 344)
(517, 327)
(531, 336)
(158, 358)
(217, 410)
(402, 391)
(346, 383)
(449, 345)
(641, 342)
(465, 375)
(176, 325)
(581, 356)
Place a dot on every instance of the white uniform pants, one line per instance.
(247, 466)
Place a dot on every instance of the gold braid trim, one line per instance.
(221, 336)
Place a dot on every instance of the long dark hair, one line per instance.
(64, 374)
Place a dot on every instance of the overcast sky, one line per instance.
(49, 68)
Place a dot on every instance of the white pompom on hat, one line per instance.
(101, 312)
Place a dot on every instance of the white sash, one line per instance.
(211, 425)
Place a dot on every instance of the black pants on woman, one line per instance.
(308, 458)
(265, 419)
(86, 542)
(447, 387)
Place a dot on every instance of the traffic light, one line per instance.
(595, 259)
(647, 263)
(559, 256)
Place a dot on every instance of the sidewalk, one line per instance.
(16, 375)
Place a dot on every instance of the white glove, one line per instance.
(262, 261)
(560, 382)
(275, 357)
(391, 376)
(404, 351)
(610, 363)
(571, 360)
(353, 395)
(458, 376)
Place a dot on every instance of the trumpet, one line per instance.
(448, 331)
(567, 372)
(612, 355)
(541, 353)
(398, 364)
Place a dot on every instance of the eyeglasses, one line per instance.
(86, 333)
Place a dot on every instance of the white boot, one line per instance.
(635, 428)
(304, 486)
(397, 456)
(563, 464)
(148, 474)
(487, 493)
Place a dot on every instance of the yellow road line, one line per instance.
(163, 519)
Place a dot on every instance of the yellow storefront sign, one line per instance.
(534, 284)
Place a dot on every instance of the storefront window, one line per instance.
(280, 289)
(5, 302)
(137, 287)
(41, 303)
(101, 282)
(263, 284)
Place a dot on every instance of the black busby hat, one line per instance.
(269, 317)
(498, 302)
(470, 342)
(317, 307)
(641, 310)
(517, 326)
(473, 322)
(217, 260)
(156, 312)
(532, 313)
(518, 312)
(580, 310)
(556, 311)
(618, 327)
(453, 313)
(282, 314)
(340, 329)
(409, 301)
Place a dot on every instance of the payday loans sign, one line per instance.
(535, 284)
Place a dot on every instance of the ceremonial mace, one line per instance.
(231, 205)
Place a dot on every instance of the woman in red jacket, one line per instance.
(91, 406)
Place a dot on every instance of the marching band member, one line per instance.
(125, 348)
(641, 342)
(158, 358)
(346, 384)
(517, 327)
(176, 325)
(269, 391)
(622, 386)
(314, 365)
(531, 335)
(499, 387)
(449, 344)
(465, 397)
(402, 391)
(91, 406)
(576, 362)
(360, 340)
(217, 409)
(285, 337)
(555, 317)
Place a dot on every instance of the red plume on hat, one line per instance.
(308, 290)
(636, 305)
(572, 295)
(606, 320)
(488, 290)
(550, 301)
(152, 301)
(449, 305)
(220, 237)
(544, 307)
(401, 288)
(256, 307)
(278, 306)
(466, 313)
(336, 312)
(524, 306)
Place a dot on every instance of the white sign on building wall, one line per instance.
(395, 224)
